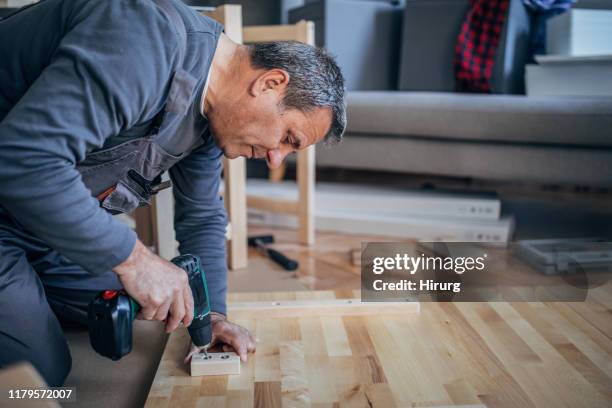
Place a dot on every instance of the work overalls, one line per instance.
(123, 177)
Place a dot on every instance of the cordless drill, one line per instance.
(111, 314)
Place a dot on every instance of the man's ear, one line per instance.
(270, 80)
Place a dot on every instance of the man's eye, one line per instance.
(290, 141)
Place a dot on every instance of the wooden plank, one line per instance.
(321, 307)
(448, 355)
(303, 31)
(215, 364)
(274, 204)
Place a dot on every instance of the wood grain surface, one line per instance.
(449, 354)
(215, 364)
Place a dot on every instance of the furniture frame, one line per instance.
(303, 208)
(155, 224)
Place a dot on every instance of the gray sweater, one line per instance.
(79, 75)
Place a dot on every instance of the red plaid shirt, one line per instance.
(477, 44)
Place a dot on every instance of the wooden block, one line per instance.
(215, 364)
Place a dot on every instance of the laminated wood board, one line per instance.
(447, 355)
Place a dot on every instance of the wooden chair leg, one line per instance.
(306, 187)
(230, 15)
(277, 175)
(145, 228)
(235, 203)
(155, 224)
(163, 213)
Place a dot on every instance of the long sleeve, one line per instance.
(109, 71)
(200, 218)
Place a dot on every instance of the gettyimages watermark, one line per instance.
(471, 272)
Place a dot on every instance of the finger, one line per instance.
(214, 340)
(240, 349)
(188, 299)
(227, 348)
(162, 313)
(177, 312)
(193, 350)
(148, 313)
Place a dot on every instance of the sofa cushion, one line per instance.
(491, 118)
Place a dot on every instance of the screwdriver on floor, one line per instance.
(259, 242)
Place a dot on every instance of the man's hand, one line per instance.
(160, 287)
(234, 338)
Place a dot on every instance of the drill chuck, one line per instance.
(200, 332)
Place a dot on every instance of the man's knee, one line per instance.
(53, 363)
(49, 354)
(29, 331)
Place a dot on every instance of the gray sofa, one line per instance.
(491, 137)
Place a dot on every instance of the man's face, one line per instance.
(257, 126)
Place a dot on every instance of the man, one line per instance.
(97, 98)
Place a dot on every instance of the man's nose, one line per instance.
(275, 157)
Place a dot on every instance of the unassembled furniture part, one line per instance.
(303, 208)
(230, 16)
(154, 224)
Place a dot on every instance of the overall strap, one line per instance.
(179, 25)
(183, 83)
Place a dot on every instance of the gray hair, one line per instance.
(315, 80)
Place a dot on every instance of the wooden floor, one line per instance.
(449, 354)
(324, 266)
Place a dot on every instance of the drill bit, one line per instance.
(193, 350)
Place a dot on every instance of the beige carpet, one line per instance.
(103, 383)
